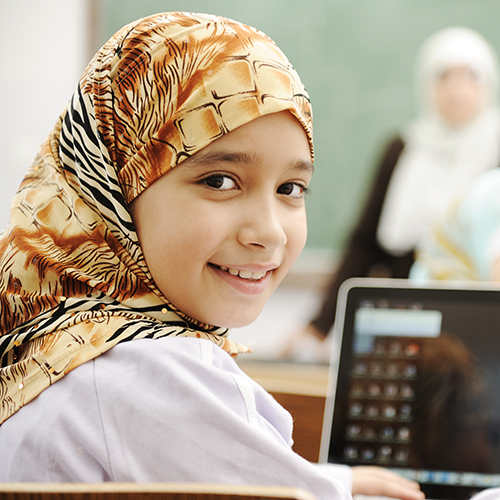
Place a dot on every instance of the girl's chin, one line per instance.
(229, 321)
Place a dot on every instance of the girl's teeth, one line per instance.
(244, 273)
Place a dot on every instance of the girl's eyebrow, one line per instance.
(308, 166)
(202, 159)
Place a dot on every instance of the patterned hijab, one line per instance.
(73, 279)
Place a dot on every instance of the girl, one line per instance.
(168, 199)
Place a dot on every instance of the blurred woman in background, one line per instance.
(455, 138)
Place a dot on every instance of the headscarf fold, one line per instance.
(73, 278)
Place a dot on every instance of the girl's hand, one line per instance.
(371, 480)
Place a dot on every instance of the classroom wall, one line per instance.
(356, 59)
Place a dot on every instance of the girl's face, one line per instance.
(460, 94)
(221, 230)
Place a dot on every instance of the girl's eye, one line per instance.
(292, 189)
(220, 182)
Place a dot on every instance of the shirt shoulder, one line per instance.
(195, 367)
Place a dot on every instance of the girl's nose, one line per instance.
(262, 227)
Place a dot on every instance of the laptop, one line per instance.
(415, 386)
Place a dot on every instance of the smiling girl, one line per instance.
(165, 207)
(232, 221)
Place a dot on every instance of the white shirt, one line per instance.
(171, 409)
(491, 494)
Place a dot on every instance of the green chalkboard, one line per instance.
(356, 60)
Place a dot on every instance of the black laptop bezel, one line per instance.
(342, 333)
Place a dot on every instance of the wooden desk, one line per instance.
(302, 390)
(148, 491)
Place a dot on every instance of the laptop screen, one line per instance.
(418, 384)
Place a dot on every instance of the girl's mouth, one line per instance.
(243, 273)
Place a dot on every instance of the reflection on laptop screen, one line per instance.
(418, 386)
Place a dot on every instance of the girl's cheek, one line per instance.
(495, 272)
(298, 235)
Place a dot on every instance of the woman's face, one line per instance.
(459, 95)
(221, 230)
